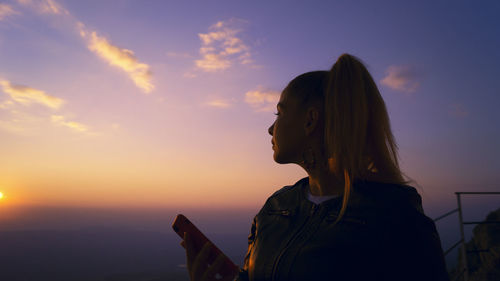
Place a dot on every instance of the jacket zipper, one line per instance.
(275, 266)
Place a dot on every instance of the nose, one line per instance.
(271, 129)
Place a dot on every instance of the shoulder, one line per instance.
(389, 195)
(400, 211)
(373, 187)
(285, 198)
(288, 188)
(398, 208)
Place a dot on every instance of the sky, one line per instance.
(156, 104)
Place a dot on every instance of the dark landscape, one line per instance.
(100, 254)
(125, 245)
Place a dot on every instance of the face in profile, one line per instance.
(287, 131)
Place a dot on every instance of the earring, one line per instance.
(308, 158)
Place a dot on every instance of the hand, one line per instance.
(198, 265)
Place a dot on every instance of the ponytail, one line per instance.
(358, 138)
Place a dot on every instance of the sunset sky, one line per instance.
(167, 103)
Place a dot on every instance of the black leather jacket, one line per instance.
(384, 235)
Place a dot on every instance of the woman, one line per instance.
(353, 217)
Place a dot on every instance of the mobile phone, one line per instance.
(182, 224)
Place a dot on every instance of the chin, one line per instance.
(279, 159)
(276, 157)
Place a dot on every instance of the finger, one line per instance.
(190, 251)
(200, 262)
(228, 271)
(214, 269)
(190, 247)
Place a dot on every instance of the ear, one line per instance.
(312, 120)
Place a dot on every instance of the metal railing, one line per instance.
(464, 270)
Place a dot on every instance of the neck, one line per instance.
(322, 183)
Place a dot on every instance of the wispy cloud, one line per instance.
(20, 119)
(27, 96)
(6, 10)
(458, 110)
(20, 122)
(6, 104)
(179, 55)
(221, 47)
(220, 103)
(402, 78)
(189, 74)
(262, 100)
(123, 59)
(60, 120)
(45, 6)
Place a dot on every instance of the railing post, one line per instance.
(464, 250)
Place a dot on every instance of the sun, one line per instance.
(1, 195)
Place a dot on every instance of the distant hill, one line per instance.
(167, 276)
(100, 255)
(484, 265)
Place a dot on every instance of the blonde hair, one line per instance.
(358, 141)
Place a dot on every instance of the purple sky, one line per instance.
(167, 103)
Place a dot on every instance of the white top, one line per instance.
(319, 199)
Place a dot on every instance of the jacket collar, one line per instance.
(367, 194)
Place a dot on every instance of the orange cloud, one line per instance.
(213, 62)
(61, 121)
(6, 104)
(262, 100)
(221, 47)
(6, 11)
(179, 55)
(21, 123)
(45, 6)
(401, 78)
(220, 103)
(26, 95)
(123, 59)
(20, 120)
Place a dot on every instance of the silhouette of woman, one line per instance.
(354, 217)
